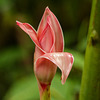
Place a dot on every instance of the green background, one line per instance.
(17, 79)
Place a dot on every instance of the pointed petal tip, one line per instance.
(47, 8)
(63, 80)
(62, 83)
(17, 22)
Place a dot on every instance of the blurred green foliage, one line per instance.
(28, 85)
(17, 80)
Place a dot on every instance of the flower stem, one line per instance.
(44, 90)
(90, 87)
(46, 94)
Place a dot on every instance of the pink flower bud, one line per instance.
(49, 45)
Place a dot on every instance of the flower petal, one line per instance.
(44, 70)
(63, 60)
(47, 38)
(31, 32)
(59, 41)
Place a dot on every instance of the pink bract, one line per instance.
(49, 45)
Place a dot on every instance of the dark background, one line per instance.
(17, 80)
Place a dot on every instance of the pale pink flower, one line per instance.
(49, 45)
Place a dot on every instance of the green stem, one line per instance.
(44, 90)
(45, 95)
(90, 87)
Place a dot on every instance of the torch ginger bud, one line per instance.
(49, 45)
